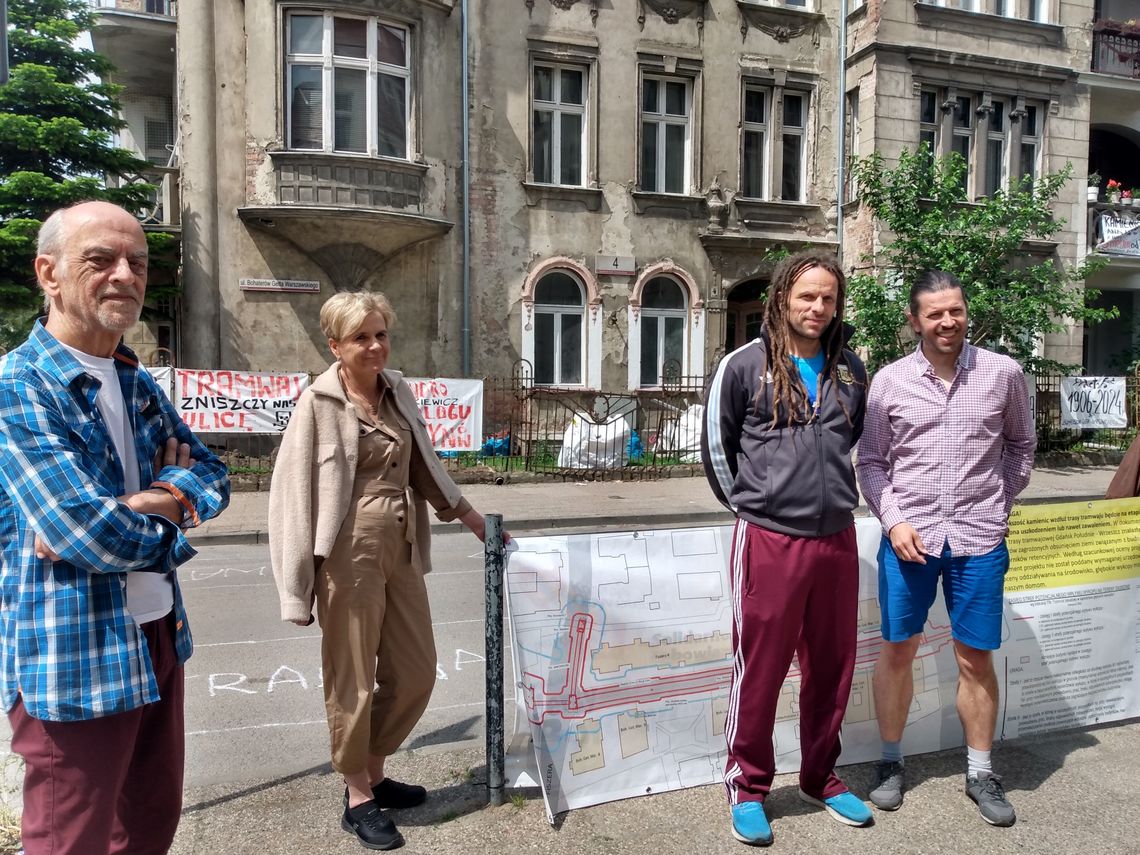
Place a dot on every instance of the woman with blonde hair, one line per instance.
(349, 533)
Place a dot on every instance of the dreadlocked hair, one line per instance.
(788, 390)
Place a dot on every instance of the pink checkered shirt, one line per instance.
(947, 461)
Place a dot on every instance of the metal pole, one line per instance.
(3, 42)
(841, 171)
(466, 102)
(493, 562)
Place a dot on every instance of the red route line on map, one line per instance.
(576, 701)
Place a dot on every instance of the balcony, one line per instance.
(350, 214)
(138, 36)
(1116, 48)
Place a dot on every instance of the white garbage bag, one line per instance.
(591, 445)
(681, 437)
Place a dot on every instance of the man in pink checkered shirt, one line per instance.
(947, 445)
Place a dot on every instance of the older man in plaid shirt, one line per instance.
(98, 476)
(947, 445)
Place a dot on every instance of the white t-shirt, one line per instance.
(149, 595)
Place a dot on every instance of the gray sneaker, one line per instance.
(989, 795)
(888, 791)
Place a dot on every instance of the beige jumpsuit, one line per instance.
(377, 648)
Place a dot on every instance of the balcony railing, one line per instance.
(1116, 52)
(165, 207)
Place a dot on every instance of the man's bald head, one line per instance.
(92, 267)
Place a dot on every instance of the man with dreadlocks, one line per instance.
(781, 417)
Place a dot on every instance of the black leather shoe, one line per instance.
(393, 794)
(372, 828)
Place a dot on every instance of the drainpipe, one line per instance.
(841, 171)
(466, 199)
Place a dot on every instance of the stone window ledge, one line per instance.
(589, 197)
(668, 204)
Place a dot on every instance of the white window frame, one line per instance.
(799, 131)
(556, 108)
(558, 312)
(963, 5)
(764, 129)
(659, 316)
(662, 120)
(328, 63)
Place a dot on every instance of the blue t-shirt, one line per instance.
(809, 372)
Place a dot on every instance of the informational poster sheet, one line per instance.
(452, 410)
(236, 401)
(622, 651)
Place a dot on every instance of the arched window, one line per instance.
(559, 312)
(663, 319)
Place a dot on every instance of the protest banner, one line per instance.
(1093, 402)
(452, 410)
(236, 401)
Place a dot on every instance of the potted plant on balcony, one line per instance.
(1113, 191)
(1126, 198)
(1094, 186)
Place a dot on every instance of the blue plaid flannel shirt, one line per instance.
(68, 645)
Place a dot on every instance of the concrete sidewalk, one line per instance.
(1073, 792)
(565, 504)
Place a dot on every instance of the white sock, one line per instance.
(978, 763)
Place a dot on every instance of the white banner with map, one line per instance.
(622, 655)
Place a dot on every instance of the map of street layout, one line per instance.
(623, 664)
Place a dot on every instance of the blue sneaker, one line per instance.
(750, 825)
(845, 807)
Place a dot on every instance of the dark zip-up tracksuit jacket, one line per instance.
(796, 480)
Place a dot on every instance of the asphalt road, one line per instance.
(254, 704)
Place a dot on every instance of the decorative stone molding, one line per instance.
(672, 11)
(349, 265)
(780, 22)
(670, 269)
(565, 5)
(561, 262)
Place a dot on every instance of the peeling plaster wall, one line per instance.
(237, 95)
(511, 237)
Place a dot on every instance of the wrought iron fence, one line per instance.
(577, 434)
(584, 434)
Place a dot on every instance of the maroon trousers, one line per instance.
(790, 595)
(110, 784)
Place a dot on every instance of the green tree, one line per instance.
(57, 125)
(1015, 296)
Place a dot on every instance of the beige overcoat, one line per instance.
(312, 485)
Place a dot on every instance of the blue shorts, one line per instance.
(973, 586)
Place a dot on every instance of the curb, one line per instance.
(534, 524)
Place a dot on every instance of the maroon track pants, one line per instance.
(110, 784)
(790, 595)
